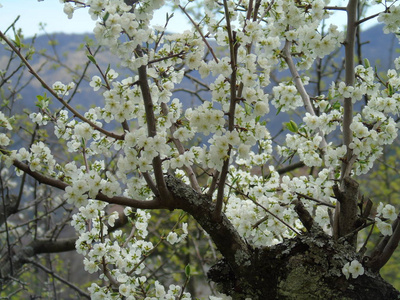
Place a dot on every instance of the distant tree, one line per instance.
(185, 142)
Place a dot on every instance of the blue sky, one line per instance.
(51, 13)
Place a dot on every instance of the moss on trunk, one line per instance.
(306, 267)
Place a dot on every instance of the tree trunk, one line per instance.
(306, 267)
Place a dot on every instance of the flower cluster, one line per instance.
(4, 122)
(39, 158)
(229, 124)
(391, 19)
(62, 89)
(174, 238)
(266, 214)
(374, 127)
(103, 249)
(354, 269)
(384, 215)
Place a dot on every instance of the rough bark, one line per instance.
(348, 199)
(306, 267)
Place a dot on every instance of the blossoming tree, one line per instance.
(280, 235)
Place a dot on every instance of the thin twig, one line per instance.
(315, 200)
(300, 86)
(61, 100)
(189, 170)
(199, 31)
(233, 46)
(66, 282)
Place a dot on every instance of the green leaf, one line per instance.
(106, 17)
(366, 63)
(235, 179)
(390, 89)
(5, 103)
(92, 59)
(187, 271)
(247, 108)
(292, 126)
(303, 130)
(336, 105)
(17, 41)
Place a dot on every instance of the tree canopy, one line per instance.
(231, 151)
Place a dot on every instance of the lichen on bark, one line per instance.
(305, 267)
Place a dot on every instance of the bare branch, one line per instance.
(151, 204)
(386, 247)
(297, 79)
(233, 47)
(61, 100)
(199, 31)
(349, 80)
(189, 171)
(315, 200)
(66, 282)
(151, 129)
(291, 167)
(348, 161)
(303, 214)
(299, 85)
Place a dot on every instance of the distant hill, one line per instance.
(70, 48)
(379, 47)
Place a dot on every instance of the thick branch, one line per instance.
(8, 208)
(291, 167)
(12, 262)
(201, 207)
(151, 204)
(36, 247)
(347, 115)
(304, 215)
(349, 80)
(348, 198)
(388, 245)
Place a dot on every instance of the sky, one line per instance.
(50, 12)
